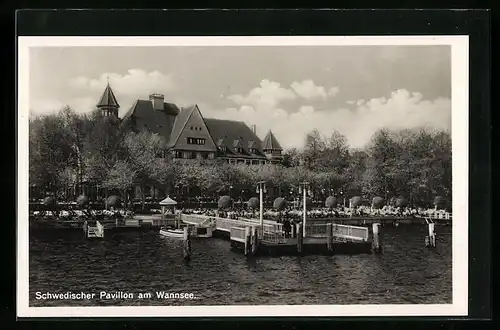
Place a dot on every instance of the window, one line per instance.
(198, 141)
(211, 155)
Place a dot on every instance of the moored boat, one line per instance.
(174, 233)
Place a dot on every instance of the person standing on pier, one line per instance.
(287, 228)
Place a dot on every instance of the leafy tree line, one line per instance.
(67, 149)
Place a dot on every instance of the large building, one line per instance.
(190, 135)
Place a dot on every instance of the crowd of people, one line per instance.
(297, 214)
(292, 214)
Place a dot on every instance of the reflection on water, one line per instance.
(138, 262)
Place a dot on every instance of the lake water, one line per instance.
(144, 262)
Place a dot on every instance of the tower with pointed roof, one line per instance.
(272, 148)
(108, 105)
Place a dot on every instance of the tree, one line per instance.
(313, 149)
(101, 146)
(141, 151)
(121, 177)
(50, 152)
(291, 157)
(336, 154)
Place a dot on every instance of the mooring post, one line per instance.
(85, 228)
(376, 240)
(300, 238)
(187, 243)
(430, 241)
(255, 240)
(294, 230)
(329, 237)
(248, 243)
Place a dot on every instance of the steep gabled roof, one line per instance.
(179, 124)
(142, 116)
(270, 142)
(108, 98)
(226, 132)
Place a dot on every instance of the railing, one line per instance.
(226, 224)
(195, 219)
(269, 225)
(350, 232)
(316, 230)
(344, 232)
(272, 237)
(238, 234)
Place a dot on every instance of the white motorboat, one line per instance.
(174, 233)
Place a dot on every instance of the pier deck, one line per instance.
(248, 234)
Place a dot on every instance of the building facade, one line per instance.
(191, 136)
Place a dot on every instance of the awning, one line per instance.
(168, 201)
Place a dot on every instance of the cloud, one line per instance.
(351, 102)
(333, 91)
(268, 95)
(134, 82)
(402, 109)
(308, 90)
(85, 92)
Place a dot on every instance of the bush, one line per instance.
(253, 203)
(439, 202)
(331, 202)
(279, 203)
(114, 201)
(356, 201)
(50, 201)
(225, 202)
(401, 202)
(82, 201)
(377, 202)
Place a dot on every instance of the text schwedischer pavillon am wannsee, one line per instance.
(114, 295)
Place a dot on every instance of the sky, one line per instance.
(291, 90)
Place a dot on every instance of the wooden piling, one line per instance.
(255, 240)
(430, 241)
(376, 247)
(300, 238)
(248, 243)
(329, 237)
(187, 243)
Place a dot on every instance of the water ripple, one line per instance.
(138, 262)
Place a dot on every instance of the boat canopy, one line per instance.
(168, 201)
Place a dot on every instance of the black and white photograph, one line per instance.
(242, 176)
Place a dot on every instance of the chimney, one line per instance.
(254, 129)
(157, 101)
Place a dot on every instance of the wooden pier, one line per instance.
(91, 231)
(250, 237)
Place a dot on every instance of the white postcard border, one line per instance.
(460, 134)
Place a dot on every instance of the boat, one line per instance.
(174, 233)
